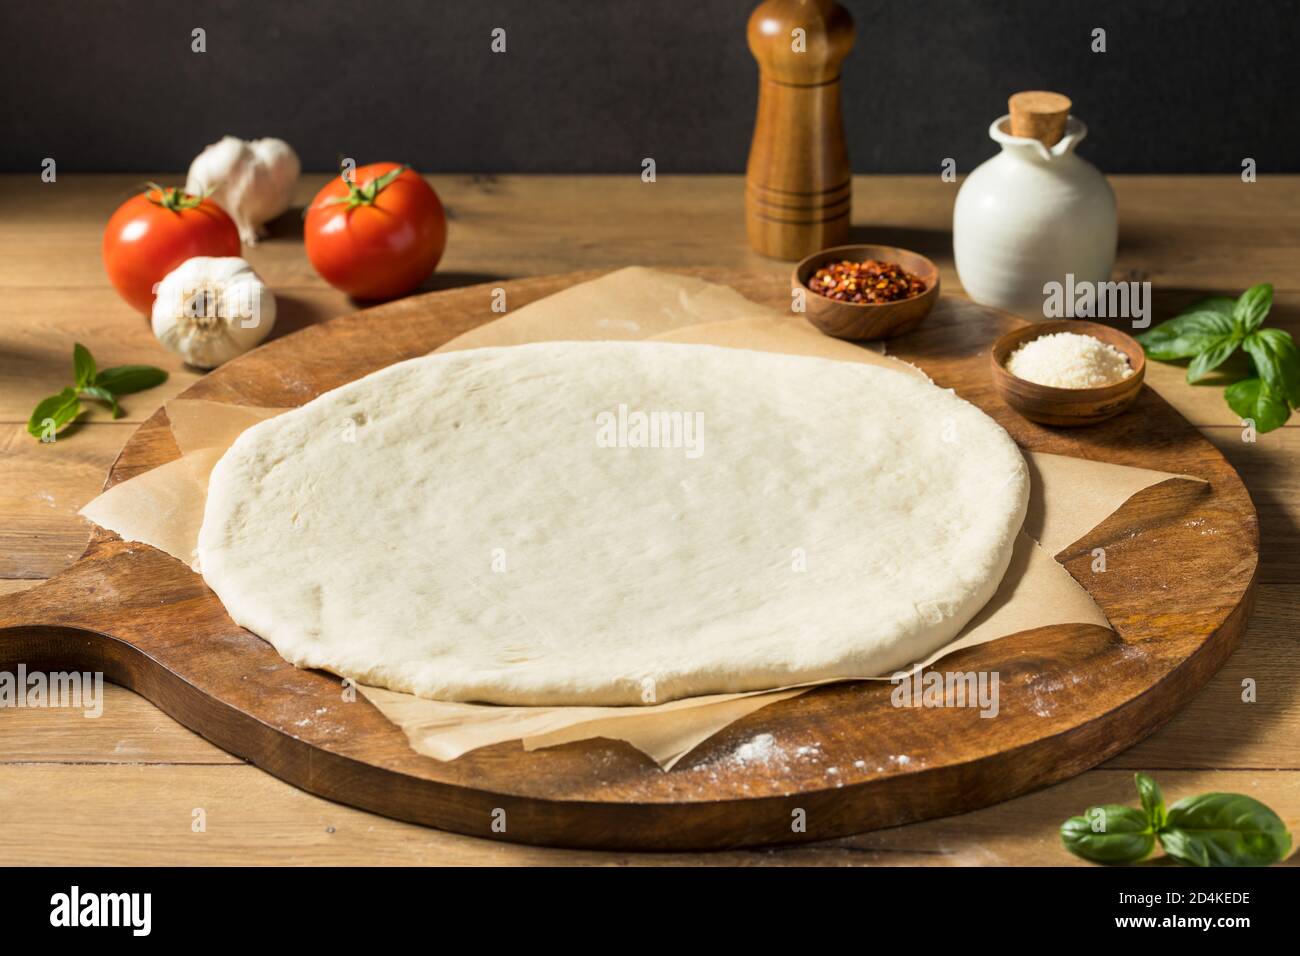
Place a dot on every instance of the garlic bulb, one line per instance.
(208, 310)
(251, 180)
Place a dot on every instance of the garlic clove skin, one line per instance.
(210, 310)
(253, 181)
(281, 162)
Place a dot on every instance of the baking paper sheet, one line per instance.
(1069, 496)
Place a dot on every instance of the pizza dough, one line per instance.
(613, 523)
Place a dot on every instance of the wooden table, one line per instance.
(124, 788)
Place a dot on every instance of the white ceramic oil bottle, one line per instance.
(1035, 212)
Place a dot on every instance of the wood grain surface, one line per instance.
(55, 293)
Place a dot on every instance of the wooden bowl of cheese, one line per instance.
(1069, 372)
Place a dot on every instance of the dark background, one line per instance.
(596, 85)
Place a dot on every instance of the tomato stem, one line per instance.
(173, 198)
(367, 194)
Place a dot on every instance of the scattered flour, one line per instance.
(758, 750)
(763, 750)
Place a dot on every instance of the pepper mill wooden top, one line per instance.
(798, 184)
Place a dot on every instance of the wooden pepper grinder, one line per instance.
(798, 184)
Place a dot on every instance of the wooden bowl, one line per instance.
(868, 320)
(1067, 406)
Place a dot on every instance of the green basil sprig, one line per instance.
(1213, 329)
(1109, 834)
(1213, 829)
(90, 383)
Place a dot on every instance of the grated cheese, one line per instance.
(1069, 360)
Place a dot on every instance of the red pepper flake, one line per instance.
(865, 282)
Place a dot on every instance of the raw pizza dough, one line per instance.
(482, 526)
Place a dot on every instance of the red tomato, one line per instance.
(153, 233)
(379, 236)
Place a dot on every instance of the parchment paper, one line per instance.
(1069, 496)
(629, 304)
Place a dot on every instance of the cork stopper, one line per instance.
(1037, 114)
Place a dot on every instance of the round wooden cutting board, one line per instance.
(1181, 566)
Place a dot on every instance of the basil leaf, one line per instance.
(103, 395)
(60, 409)
(1184, 847)
(83, 365)
(1211, 358)
(125, 379)
(1255, 399)
(1278, 361)
(1186, 335)
(1109, 834)
(1252, 307)
(1153, 801)
(1224, 829)
(1224, 304)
